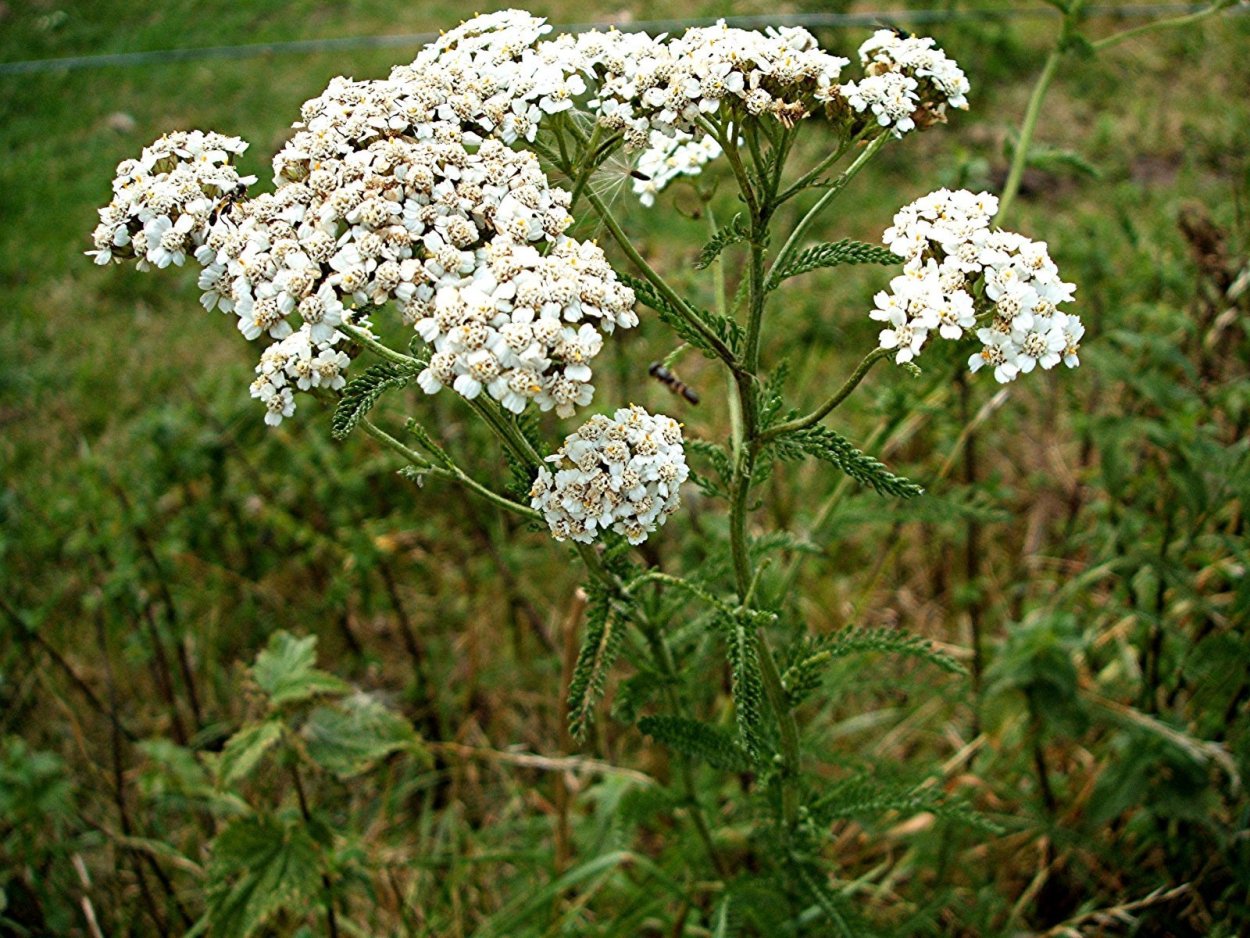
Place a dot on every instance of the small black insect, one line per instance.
(894, 28)
(638, 174)
(672, 382)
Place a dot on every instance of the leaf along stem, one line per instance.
(618, 235)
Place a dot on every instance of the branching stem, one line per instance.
(362, 337)
(458, 475)
(819, 414)
(830, 194)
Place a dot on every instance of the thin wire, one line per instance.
(810, 20)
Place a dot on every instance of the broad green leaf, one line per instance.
(245, 748)
(285, 672)
(259, 866)
(350, 736)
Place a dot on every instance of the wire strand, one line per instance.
(808, 20)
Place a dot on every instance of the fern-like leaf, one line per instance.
(698, 740)
(770, 395)
(718, 458)
(634, 693)
(729, 234)
(600, 647)
(832, 447)
(746, 683)
(363, 391)
(860, 798)
(832, 254)
(804, 675)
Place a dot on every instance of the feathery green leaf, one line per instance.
(724, 328)
(600, 647)
(363, 391)
(804, 675)
(698, 740)
(746, 684)
(834, 448)
(726, 235)
(832, 254)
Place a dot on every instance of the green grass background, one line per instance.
(142, 495)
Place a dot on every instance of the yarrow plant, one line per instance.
(431, 196)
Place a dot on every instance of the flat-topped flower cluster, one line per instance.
(620, 473)
(962, 275)
(417, 191)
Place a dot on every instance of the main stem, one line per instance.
(746, 449)
(521, 450)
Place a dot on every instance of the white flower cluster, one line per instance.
(621, 473)
(959, 272)
(298, 361)
(523, 324)
(669, 85)
(670, 157)
(164, 201)
(492, 72)
(494, 76)
(408, 191)
(906, 75)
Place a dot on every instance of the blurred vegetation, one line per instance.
(1081, 550)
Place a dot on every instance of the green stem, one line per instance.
(590, 161)
(755, 306)
(1021, 155)
(456, 474)
(790, 756)
(1186, 20)
(650, 275)
(1050, 69)
(506, 431)
(819, 414)
(831, 193)
(812, 175)
(728, 140)
(747, 442)
(361, 337)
